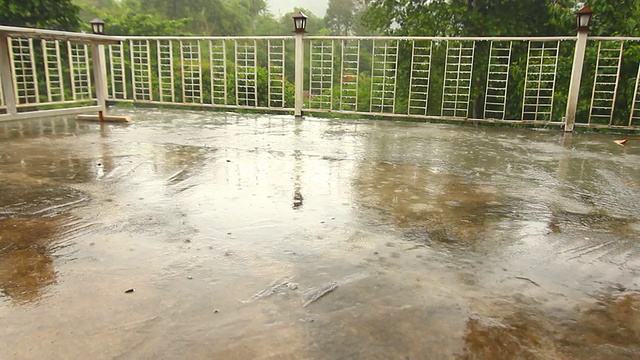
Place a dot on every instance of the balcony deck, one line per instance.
(259, 237)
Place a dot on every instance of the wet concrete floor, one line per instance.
(261, 237)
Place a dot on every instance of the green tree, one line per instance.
(134, 23)
(208, 17)
(620, 18)
(46, 14)
(342, 16)
(463, 17)
(266, 24)
(251, 9)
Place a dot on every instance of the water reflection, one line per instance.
(26, 261)
(429, 204)
(34, 128)
(298, 199)
(607, 328)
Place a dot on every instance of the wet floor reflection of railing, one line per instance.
(39, 127)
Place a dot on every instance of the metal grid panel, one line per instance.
(275, 51)
(218, 58)
(605, 83)
(165, 71)
(246, 72)
(24, 71)
(540, 80)
(191, 71)
(118, 88)
(53, 70)
(458, 73)
(420, 76)
(140, 69)
(79, 66)
(1, 96)
(495, 101)
(350, 71)
(634, 118)
(321, 74)
(383, 76)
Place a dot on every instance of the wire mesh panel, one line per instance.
(79, 67)
(458, 72)
(24, 71)
(321, 74)
(191, 71)
(540, 80)
(165, 71)
(218, 68)
(420, 75)
(605, 83)
(495, 102)
(275, 52)
(140, 69)
(118, 87)
(383, 76)
(53, 70)
(349, 75)
(246, 72)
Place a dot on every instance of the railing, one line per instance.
(536, 80)
(224, 72)
(484, 79)
(46, 72)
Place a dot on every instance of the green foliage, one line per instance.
(47, 14)
(464, 18)
(134, 23)
(208, 17)
(343, 16)
(619, 18)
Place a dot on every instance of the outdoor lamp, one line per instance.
(97, 26)
(584, 18)
(300, 22)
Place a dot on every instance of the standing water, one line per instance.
(198, 235)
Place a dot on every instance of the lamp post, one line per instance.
(299, 22)
(97, 26)
(300, 25)
(99, 67)
(583, 20)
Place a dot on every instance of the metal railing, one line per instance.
(560, 81)
(224, 72)
(46, 72)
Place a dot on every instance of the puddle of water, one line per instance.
(264, 237)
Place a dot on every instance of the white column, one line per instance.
(7, 77)
(99, 74)
(299, 75)
(576, 77)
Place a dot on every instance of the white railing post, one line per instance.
(299, 75)
(8, 89)
(576, 77)
(99, 75)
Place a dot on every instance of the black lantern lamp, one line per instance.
(97, 26)
(300, 22)
(583, 18)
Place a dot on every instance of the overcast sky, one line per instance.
(280, 7)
